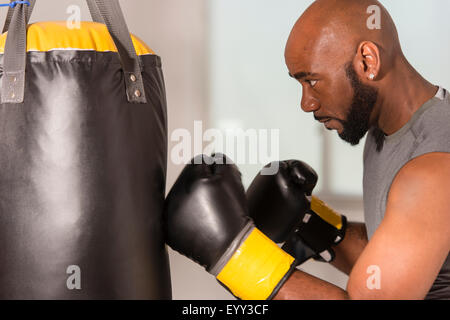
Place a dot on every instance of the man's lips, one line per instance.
(327, 122)
(324, 120)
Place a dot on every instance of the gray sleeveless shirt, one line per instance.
(427, 131)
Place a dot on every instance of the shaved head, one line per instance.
(341, 51)
(329, 25)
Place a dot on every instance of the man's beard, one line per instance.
(356, 125)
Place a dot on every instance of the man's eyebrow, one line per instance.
(302, 74)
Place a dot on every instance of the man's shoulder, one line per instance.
(426, 177)
(434, 120)
(432, 130)
(429, 164)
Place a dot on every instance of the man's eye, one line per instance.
(312, 83)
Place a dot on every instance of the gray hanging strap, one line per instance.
(14, 57)
(95, 13)
(115, 21)
(29, 10)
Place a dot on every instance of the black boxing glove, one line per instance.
(206, 219)
(282, 207)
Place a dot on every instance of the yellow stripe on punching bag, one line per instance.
(55, 35)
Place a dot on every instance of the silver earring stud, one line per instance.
(371, 76)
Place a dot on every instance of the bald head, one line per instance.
(337, 27)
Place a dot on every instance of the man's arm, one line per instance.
(348, 251)
(409, 247)
(303, 286)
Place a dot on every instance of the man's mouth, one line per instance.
(325, 120)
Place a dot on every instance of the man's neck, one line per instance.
(405, 92)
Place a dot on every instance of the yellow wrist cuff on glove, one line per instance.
(326, 213)
(256, 269)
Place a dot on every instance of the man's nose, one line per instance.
(309, 103)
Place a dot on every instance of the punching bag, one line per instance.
(83, 156)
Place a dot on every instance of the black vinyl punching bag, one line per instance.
(83, 152)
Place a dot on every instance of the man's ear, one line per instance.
(367, 61)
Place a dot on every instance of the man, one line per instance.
(355, 79)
